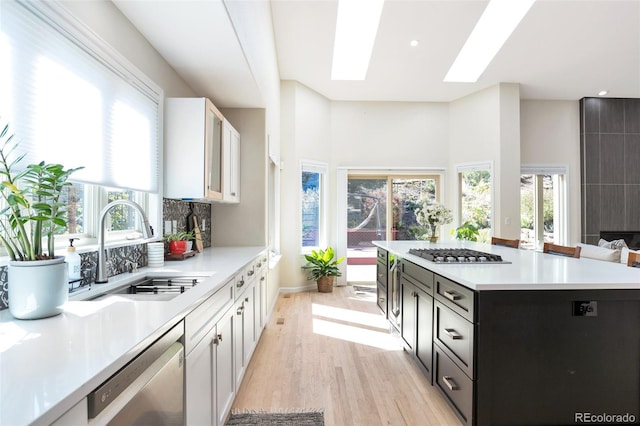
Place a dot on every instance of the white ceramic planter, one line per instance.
(37, 289)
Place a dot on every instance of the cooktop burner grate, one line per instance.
(457, 255)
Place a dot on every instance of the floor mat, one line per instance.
(302, 418)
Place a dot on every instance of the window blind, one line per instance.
(70, 98)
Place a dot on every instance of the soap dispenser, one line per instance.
(73, 262)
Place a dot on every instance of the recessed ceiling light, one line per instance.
(492, 30)
(356, 28)
(602, 92)
(414, 43)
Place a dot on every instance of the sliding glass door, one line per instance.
(382, 207)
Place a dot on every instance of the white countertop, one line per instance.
(48, 365)
(528, 270)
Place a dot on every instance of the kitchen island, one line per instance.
(537, 340)
(48, 366)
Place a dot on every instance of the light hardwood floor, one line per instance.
(333, 351)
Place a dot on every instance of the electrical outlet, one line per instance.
(204, 225)
(174, 226)
(507, 221)
(167, 227)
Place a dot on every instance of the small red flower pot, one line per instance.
(177, 247)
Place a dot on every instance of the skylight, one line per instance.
(356, 28)
(492, 30)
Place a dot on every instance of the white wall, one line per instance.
(106, 20)
(550, 135)
(382, 135)
(305, 135)
(484, 127)
(389, 134)
(245, 223)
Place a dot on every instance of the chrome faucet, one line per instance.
(101, 273)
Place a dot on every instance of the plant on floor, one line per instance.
(323, 267)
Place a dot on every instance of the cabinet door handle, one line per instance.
(251, 272)
(217, 339)
(246, 299)
(233, 194)
(261, 278)
(451, 295)
(240, 283)
(450, 383)
(453, 334)
(240, 309)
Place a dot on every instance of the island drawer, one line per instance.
(457, 297)
(454, 335)
(202, 318)
(423, 277)
(454, 385)
(383, 256)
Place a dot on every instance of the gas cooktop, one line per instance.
(457, 255)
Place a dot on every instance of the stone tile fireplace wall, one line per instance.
(122, 257)
(610, 159)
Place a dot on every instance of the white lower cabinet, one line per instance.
(225, 390)
(216, 362)
(200, 382)
(209, 376)
(245, 332)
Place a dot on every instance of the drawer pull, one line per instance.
(453, 334)
(217, 339)
(240, 310)
(250, 273)
(240, 283)
(450, 383)
(451, 295)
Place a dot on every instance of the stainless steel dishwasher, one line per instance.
(147, 391)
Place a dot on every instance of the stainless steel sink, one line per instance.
(154, 288)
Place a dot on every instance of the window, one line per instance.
(312, 195)
(542, 206)
(476, 197)
(72, 99)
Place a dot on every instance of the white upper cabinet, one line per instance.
(230, 164)
(193, 149)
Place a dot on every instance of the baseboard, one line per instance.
(298, 289)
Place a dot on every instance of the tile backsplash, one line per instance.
(122, 258)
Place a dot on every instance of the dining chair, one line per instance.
(561, 250)
(495, 241)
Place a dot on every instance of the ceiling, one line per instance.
(563, 49)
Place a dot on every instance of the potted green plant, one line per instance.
(33, 212)
(178, 241)
(323, 268)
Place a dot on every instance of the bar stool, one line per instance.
(561, 250)
(495, 241)
(634, 260)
